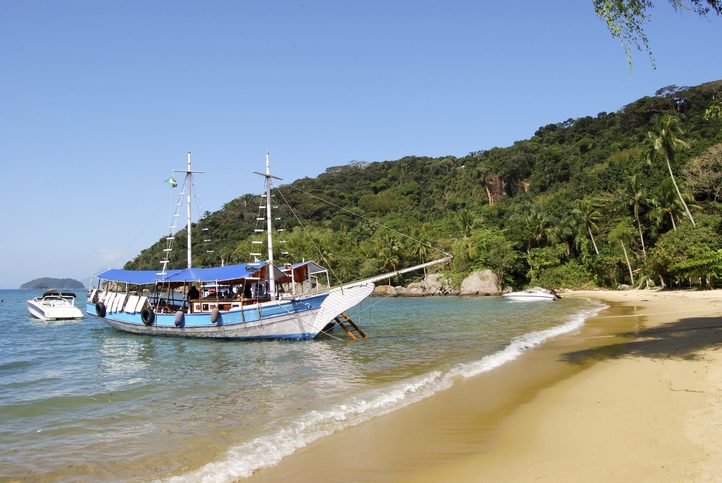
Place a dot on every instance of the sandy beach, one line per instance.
(635, 395)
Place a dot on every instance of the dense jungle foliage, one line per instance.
(584, 202)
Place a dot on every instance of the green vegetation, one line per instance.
(47, 282)
(626, 19)
(627, 197)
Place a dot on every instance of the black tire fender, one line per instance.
(100, 309)
(147, 315)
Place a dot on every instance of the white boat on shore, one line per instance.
(531, 295)
(54, 305)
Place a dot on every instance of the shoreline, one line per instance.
(619, 386)
(648, 411)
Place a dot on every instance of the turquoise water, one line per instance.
(82, 401)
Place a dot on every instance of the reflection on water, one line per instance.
(123, 360)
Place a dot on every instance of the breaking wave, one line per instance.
(267, 450)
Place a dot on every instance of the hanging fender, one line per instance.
(147, 315)
(215, 315)
(180, 319)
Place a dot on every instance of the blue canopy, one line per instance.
(215, 274)
(140, 277)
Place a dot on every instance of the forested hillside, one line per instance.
(48, 282)
(586, 201)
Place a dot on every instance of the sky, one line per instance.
(100, 101)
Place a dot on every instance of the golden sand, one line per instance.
(635, 395)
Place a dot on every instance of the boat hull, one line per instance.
(527, 298)
(280, 322)
(43, 312)
(285, 319)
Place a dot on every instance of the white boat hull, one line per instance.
(44, 311)
(529, 296)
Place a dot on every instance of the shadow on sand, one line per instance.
(683, 339)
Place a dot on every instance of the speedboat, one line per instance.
(530, 295)
(54, 305)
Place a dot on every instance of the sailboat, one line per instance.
(255, 300)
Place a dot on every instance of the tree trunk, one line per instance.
(641, 236)
(596, 250)
(674, 182)
(629, 266)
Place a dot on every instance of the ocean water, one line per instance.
(81, 401)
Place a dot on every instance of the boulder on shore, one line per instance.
(481, 282)
(432, 284)
(435, 284)
(384, 291)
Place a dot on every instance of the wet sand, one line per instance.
(635, 395)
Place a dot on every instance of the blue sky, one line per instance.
(101, 100)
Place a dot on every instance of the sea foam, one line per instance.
(267, 450)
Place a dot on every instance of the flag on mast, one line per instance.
(172, 182)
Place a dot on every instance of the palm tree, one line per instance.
(626, 258)
(664, 140)
(564, 231)
(421, 250)
(388, 253)
(638, 197)
(537, 225)
(666, 205)
(624, 231)
(466, 222)
(588, 215)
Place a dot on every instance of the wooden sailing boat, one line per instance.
(256, 300)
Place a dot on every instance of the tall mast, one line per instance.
(269, 227)
(189, 187)
(269, 224)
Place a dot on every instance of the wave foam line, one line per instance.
(243, 460)
(521, 344)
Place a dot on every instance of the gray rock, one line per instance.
(415, 292)
(384, 291)
(434, 284)
(481, 282)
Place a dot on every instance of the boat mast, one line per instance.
(189, 187)
(188, 211)
(269, 225)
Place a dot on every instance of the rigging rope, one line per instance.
(320, 253)
(427, 245)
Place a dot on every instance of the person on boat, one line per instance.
(193, 293)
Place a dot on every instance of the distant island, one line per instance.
(47, 282)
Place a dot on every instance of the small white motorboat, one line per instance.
(530, 295)
(54, 305)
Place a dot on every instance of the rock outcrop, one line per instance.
(432, 284)
(481, 282)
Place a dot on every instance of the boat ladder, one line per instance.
(350, 327)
